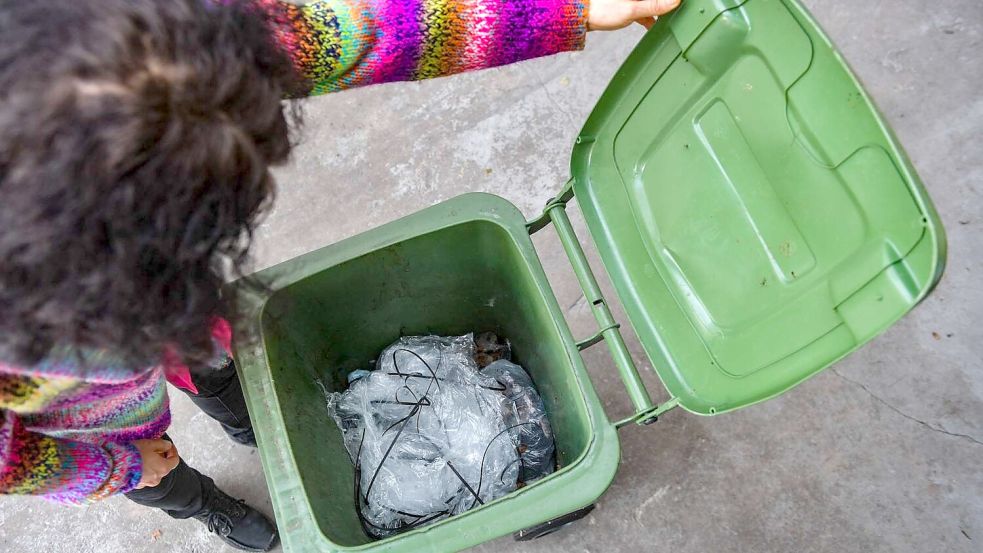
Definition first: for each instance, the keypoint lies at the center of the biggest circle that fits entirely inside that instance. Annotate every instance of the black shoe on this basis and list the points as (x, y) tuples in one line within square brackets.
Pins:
[(238, 524)]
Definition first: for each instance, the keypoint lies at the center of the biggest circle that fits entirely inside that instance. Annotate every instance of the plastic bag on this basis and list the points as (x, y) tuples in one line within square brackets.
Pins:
[(525, 414), (428, 434)]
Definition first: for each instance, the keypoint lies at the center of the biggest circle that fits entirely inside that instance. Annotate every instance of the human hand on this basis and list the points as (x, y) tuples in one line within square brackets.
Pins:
[(159, 458), (609, 15)]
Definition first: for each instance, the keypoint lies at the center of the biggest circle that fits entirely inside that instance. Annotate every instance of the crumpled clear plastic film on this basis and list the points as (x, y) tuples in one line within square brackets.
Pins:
[(525, 414), (431, 436)]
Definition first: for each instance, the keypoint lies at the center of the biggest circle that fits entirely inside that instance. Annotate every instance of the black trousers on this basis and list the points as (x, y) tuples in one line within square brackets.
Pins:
[(184, 492)]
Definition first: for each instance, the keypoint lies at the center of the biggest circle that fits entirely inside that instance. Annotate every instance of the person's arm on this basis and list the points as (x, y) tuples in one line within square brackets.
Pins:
[(61, 470), (340, 44)]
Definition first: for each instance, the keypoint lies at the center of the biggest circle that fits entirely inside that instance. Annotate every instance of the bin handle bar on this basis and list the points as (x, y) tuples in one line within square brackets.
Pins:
[(555, 212)]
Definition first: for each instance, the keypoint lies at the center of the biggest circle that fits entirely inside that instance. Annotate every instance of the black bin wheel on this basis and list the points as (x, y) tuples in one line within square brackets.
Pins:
[(551, 526)]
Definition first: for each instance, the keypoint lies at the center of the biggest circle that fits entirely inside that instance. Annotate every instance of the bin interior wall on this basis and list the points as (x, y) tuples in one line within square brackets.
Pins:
[(466, 278)]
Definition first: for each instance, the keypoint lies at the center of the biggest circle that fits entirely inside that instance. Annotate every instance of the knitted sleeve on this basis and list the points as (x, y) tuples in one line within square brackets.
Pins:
[(339, 44), (61, 470)]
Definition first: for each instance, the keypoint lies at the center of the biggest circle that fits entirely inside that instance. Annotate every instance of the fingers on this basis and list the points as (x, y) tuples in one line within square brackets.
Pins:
[(648, 9), (171, 457), (171, 452), (149, 481), (168, 451), (171, 463), (159, 458), (152, 478), (609, 15)]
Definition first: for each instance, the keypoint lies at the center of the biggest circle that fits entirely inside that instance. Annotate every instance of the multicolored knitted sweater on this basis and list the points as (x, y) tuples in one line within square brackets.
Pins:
[(65, 433)]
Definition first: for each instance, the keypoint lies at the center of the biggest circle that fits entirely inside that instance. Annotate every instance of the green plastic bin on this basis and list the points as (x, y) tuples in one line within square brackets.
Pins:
[(756, 217)]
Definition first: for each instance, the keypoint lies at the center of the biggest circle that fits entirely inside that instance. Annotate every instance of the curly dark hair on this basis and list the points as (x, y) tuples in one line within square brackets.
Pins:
[(136, 138)]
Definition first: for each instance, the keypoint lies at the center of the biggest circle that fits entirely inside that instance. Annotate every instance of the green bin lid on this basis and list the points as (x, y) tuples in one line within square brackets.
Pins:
[(753, 211)]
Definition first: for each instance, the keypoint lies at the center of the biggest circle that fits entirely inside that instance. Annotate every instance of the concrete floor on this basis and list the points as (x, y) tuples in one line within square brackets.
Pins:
[(882, 453)]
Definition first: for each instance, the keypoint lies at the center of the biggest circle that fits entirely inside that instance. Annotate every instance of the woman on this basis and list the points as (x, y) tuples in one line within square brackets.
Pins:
[(136, 138)]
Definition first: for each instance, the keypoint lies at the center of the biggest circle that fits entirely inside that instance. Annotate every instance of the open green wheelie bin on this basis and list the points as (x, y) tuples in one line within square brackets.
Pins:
[(756, 217)]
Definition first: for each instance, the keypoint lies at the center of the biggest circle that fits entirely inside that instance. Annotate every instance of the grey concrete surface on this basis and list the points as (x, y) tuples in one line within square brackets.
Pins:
[(882, 453)]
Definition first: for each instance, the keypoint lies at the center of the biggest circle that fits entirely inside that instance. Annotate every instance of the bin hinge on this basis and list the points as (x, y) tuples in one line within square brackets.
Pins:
[(560, 201), (597, 337), (646, 411), (650, 416)]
